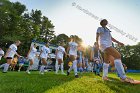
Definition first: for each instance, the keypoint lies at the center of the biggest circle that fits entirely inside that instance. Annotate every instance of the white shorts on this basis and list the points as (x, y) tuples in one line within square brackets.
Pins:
[(80, 60), (59, 57), (103, 47), (30, 57), (44, 58)]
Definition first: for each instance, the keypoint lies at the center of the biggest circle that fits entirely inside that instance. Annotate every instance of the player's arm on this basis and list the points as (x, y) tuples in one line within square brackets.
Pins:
[(114, 40), (101, 57), (97, 39), (18, 54), (56, 52), (68, 49), (40, 53), (29, 52)]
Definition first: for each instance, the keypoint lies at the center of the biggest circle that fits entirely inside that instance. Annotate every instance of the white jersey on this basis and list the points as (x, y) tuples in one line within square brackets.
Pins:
[(45, 51), (1, 53), (32, 53), (105, 40), (13, 50), (73, 48), (60, 53)]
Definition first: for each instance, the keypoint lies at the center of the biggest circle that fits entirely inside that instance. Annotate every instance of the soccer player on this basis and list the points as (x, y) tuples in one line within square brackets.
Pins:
[(32, 53), (96, 58), (10, 54), (59, 58), (1, 53), (45, 51), (72, 50), (104, 42), (80, 59)]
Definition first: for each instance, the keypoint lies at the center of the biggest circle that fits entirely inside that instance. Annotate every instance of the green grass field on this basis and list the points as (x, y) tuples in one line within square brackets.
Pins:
[(20, 82)]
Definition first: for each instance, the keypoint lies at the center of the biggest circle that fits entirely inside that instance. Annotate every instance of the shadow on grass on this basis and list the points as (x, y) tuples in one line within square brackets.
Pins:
[(120, 87), (14, 82)]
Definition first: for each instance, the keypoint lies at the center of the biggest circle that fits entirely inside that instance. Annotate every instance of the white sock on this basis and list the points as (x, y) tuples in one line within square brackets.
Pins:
[(6, 66), (42, 68), (2, 65), (120, 68), (62, 67), (75, 67), (56, 67), (105, 69), (71, 67), (29, 67)]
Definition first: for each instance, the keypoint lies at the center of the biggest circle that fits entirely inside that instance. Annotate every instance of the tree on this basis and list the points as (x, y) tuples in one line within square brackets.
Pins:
[(17, 25), (61, 38), (130, 55)]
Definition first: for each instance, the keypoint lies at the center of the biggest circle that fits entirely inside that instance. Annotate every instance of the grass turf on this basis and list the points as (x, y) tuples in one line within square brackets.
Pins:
[(20, 82)]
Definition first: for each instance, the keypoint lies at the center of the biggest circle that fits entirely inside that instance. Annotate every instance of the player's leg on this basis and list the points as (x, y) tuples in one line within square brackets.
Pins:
[(62, 68), (80, 65), (71, 59), (75, 68), (20, 66), (70, 68), (6, 66), (42, 68), (117, 61), (118, 65), (14, 65), (56, 67), (98, 68), (30, 65), (105, 66)]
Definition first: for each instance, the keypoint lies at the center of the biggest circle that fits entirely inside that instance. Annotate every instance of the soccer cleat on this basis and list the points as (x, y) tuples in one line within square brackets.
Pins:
[(68, 73), (42, 73), (99, 75), (18, 70), (106, 79), (4, 72), (76, 76), (28, 72), (63, 73), (94, 72), (131, 81)]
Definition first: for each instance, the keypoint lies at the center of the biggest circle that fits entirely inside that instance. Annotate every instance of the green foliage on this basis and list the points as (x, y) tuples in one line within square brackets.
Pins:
[(60, 38), (131, 56), (15, 24)]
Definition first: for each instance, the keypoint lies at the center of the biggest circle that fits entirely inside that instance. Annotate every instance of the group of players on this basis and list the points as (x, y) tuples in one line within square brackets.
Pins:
[(103, 43)]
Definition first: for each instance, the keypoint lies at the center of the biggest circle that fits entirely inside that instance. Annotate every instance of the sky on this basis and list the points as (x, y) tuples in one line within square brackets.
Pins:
[(69, 19)]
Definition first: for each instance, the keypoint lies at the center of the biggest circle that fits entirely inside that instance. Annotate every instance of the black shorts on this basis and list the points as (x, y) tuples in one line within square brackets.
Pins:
[(9, 58)]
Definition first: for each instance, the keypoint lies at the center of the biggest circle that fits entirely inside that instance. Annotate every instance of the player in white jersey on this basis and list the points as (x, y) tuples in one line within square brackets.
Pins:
[(104, 42), (72, 50), (45, 51), (59, 58), (10, 54), (1, 53), (32, 53)]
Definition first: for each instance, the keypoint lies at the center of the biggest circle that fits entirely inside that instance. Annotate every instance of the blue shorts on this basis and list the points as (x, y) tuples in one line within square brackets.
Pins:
[(79, 60)]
